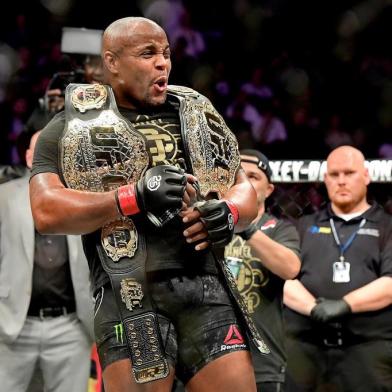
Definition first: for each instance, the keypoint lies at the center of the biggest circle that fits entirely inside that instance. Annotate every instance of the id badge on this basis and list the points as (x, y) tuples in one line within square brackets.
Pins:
[(341, 272)]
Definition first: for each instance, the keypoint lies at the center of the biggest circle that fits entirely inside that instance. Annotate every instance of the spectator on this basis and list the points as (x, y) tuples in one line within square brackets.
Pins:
[(195, 45), (339, 312), (46, 308)]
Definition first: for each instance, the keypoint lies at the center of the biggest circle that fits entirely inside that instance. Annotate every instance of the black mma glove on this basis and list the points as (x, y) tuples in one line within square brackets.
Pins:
[(248, 232), (329, 309), (160, 191), (219, 218)]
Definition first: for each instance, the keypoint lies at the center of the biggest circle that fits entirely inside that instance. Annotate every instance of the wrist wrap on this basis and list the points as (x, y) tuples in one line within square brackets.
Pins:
[(126, 200), (234, 210)]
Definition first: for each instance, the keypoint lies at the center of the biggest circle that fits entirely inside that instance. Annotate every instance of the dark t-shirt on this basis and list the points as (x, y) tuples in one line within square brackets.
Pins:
[(52, 282), (369, 256), (263, 291), (166, 247)]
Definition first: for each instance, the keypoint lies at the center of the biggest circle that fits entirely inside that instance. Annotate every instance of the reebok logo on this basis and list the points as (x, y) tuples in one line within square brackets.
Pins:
[(233, 340), (233, 336)]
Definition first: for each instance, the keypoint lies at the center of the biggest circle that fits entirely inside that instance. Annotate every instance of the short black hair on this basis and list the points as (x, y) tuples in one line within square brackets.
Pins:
[(262, 161)]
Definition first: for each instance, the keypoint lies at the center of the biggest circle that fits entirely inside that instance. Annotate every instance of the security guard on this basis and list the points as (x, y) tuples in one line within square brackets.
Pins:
[(339, 310)]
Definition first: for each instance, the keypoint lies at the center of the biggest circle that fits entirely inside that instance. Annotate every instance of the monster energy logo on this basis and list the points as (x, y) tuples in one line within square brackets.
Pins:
[(119, 333)]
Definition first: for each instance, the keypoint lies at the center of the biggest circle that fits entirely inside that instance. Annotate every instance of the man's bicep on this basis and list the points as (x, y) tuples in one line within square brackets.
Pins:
[(45, 156), (46, 152), (42, 185), (386, 256), (45, 198)]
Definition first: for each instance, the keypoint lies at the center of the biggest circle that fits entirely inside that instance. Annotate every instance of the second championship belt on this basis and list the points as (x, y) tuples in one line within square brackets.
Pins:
[(101, 151), (213, 154)]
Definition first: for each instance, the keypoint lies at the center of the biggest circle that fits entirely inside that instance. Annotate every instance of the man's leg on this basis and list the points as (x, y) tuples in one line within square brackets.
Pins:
[(17, 360), (305, 366), (113, 352), (65, 355), (118, 377), (37, 381), (230, 373), (365, 367), (212, 353)]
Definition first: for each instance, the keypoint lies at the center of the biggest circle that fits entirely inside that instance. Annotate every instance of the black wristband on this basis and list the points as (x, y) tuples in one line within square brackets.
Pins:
[(248, 232)]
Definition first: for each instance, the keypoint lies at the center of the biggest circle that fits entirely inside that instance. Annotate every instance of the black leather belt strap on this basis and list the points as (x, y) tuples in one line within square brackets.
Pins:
[(254, 334), (50, 311), (333, 339), (140, 323)]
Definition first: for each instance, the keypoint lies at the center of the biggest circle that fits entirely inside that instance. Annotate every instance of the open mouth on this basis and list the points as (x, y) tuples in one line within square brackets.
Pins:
[(160, 84)]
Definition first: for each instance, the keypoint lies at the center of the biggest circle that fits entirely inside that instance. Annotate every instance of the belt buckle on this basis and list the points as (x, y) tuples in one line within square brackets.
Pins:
[(41, 314), (43, 310)]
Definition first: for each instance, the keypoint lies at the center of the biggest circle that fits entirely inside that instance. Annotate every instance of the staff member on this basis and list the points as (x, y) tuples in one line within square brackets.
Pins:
[(261, 258), (339, 310)]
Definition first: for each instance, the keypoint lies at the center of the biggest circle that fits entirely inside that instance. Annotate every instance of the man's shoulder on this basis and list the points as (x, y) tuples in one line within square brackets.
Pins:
[(58, 118), (378, 213), (12, 187), (14, 183), (382, 219), (316, 216), (316, 219), (184, 91), (272, 225), (54, 127), (11, 172), (268, 222)]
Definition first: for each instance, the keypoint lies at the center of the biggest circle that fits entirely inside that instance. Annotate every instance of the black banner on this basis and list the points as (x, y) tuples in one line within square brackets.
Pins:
[(313, 171)]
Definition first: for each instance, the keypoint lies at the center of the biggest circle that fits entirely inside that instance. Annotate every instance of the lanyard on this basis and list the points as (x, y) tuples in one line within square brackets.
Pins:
[(344, 247)]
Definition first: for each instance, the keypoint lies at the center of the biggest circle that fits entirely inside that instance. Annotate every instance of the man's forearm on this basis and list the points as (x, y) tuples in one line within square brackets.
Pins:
[(59, 210), (373, 296), (279, 259), (297, 297)]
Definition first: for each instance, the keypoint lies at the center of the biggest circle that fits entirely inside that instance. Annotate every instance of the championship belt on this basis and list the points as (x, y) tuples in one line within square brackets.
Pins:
[(214, 158), (210, 145), (254, 333), (100, 151)]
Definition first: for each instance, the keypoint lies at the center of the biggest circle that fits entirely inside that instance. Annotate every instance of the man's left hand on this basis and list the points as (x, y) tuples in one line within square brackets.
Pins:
[(219, 221), (329, 309)]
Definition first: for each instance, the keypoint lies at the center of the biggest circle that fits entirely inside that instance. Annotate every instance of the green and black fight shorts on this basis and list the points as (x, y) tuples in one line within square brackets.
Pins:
[(196, 318)]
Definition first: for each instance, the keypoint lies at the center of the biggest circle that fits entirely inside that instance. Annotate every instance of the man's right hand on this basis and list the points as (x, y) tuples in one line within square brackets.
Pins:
[(327, 310), (162, 188)]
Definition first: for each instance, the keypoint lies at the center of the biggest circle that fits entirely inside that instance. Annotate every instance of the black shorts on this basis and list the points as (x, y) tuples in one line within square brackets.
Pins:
[(196, 318)]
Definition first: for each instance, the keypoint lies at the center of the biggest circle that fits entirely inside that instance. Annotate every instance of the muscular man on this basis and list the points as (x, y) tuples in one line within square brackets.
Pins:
[(118, 166), (46, 308), (261, 258), (339, 310)]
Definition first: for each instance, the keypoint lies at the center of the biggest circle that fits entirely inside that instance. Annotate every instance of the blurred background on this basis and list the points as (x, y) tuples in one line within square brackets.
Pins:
[(294, 79)]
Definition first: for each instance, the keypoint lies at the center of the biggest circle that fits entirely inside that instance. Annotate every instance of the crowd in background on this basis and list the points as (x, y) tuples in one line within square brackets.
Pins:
[(285, 75)]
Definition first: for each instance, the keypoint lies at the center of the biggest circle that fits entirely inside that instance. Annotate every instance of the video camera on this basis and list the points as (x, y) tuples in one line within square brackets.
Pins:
[(79, 47)]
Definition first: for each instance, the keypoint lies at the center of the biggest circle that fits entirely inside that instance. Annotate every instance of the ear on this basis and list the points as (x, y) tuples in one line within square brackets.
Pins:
[(269, 190), (110, 61), (29, 158), (367, 177)]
